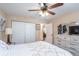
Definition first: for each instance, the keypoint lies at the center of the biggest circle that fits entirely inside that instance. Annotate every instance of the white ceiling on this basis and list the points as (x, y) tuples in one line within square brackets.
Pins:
[(21, 9)]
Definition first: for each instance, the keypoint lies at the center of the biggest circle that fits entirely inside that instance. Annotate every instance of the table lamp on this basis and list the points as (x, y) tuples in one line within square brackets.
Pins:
[(8, 33)]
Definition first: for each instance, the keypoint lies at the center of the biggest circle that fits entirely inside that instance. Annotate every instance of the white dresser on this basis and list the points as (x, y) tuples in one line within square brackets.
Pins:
[(74, 41), (62, 41), (67, 41)]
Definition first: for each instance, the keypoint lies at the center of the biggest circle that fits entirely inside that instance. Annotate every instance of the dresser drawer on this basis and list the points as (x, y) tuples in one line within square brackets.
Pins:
[(74, 46), (67, 43), (60, 43), (75, 38), (74, 43)]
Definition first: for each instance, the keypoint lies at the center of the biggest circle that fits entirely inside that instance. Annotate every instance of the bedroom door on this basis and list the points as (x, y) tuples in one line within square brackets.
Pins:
[(49, 33), (18, 32)]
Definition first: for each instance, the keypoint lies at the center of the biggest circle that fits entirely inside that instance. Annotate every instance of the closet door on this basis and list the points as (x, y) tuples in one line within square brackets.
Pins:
[(30, 32), (18, 32)]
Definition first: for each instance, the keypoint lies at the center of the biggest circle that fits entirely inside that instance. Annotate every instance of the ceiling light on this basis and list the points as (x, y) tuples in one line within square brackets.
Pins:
[(45, 13), (41, 13), (41, 5)]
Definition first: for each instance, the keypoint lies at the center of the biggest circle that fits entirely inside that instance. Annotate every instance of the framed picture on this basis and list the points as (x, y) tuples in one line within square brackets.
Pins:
[(60, 29), (2, 24)]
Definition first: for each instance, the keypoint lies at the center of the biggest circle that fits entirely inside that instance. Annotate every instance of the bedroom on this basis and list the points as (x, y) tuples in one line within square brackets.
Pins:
[(20, 26)]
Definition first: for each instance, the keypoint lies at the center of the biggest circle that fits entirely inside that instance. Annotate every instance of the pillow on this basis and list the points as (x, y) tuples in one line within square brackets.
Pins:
[(3, 44)]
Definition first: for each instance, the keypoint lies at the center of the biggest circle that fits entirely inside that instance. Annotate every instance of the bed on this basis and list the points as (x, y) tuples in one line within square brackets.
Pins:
[(39, 48)]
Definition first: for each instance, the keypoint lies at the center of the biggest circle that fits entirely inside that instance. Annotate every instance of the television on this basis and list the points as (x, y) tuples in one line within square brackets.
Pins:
[(74, 30)]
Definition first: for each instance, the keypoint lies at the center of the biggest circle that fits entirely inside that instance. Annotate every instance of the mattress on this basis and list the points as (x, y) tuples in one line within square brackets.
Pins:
[(39, 48)]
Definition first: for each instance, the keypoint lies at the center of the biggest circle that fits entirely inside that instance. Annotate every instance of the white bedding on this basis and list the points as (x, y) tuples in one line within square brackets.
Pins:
[(39, 48)]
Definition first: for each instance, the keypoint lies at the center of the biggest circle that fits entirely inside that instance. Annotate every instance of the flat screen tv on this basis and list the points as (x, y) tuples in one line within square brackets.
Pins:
[(74, 30)]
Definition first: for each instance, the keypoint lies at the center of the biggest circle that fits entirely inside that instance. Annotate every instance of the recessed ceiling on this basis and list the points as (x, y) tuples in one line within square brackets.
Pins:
[(21, 9)]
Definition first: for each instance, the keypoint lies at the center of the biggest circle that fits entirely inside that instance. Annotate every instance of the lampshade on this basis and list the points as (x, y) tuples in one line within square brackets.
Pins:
[(8, 31)]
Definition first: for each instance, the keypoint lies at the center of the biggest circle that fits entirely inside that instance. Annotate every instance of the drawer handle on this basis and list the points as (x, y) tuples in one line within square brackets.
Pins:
[(64, 38), (59, 41), (75, 40), (72, 44), (59, 44)]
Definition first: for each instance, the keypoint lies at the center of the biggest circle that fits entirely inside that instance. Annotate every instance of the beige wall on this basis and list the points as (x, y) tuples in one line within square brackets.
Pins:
[(22, 19), (2, 34), (65, 19)]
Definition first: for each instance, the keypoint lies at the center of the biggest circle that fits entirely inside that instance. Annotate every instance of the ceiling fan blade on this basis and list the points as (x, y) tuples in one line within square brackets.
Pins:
[(34, 10), (51, 12), (55, 5)]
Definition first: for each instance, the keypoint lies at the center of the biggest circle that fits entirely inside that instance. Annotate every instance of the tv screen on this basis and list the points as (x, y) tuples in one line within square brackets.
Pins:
[(74, 30)]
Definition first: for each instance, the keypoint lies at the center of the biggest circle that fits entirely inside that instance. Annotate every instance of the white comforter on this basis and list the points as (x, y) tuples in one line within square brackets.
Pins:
[(39, 48)]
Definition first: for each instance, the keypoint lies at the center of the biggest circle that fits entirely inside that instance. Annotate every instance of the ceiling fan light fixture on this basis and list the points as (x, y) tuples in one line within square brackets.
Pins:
[(44, 8), (46, 13), (43, 13), (41, 4)]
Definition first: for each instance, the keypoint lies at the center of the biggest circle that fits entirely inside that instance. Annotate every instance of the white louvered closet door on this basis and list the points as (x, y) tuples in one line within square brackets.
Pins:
[(18, 32), (30, 32), (23, 32)]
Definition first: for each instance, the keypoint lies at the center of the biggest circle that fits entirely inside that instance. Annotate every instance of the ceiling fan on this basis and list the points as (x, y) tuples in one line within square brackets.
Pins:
[(45, 9)]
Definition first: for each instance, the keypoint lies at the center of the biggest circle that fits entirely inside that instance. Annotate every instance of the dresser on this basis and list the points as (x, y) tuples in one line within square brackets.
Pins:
[(67, 41), (62, 41), (74, 41)]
